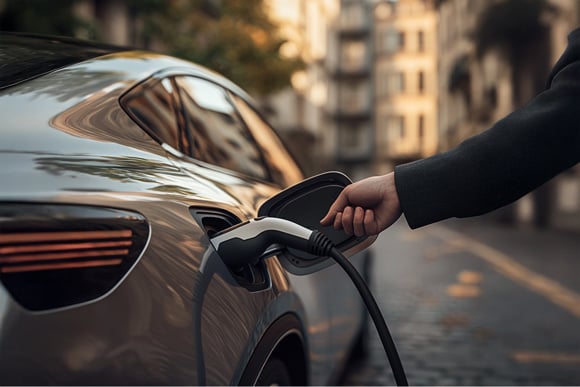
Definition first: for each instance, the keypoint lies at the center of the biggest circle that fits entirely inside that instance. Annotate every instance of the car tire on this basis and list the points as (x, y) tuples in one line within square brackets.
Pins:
[(274, 373)]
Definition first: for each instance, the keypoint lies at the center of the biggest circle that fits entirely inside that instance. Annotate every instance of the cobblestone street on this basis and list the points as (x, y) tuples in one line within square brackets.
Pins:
[(470, 303)]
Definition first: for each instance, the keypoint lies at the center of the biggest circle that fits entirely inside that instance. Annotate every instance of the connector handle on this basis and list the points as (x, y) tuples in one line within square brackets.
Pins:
[(246, 242)]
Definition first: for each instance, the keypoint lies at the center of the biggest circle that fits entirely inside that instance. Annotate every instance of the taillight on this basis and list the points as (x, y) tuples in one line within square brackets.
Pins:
[(54, 256)]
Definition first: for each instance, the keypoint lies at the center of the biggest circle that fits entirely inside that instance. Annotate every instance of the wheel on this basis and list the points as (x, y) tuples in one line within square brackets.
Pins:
[(275, 373)]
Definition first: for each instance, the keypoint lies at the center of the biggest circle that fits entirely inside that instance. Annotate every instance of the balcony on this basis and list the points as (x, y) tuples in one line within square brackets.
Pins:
[(354, 60), (354, 143), (353, 102), (354, 19)]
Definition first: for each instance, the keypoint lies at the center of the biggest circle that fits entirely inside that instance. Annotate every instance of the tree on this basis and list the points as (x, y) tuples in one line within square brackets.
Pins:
[(235, 38), (39, 16)]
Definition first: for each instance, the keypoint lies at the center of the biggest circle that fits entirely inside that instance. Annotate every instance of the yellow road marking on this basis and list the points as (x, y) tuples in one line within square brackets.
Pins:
[(463, 291), (470, 277), (446, 248), (550, 289), (546, 357)]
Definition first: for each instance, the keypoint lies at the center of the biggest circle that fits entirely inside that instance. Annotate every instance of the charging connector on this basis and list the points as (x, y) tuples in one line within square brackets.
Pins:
[(262, 237)]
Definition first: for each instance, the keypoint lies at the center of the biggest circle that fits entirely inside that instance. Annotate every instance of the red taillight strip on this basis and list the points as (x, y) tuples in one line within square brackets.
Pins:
[(67, 255), (61, 246), (62, 236), (56, 266)]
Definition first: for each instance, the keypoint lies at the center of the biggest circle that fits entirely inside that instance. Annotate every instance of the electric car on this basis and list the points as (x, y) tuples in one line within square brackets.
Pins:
[(117, 167)]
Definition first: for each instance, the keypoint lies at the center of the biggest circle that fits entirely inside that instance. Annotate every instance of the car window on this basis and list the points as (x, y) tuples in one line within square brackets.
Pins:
[(283, 168), (153, 106), (219, 136)]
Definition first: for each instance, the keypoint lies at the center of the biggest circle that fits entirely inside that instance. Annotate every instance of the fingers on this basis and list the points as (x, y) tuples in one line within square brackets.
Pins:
[(338, 206), (347, 220), (338, 221), (354, 221), (358, 221), (370, 224)]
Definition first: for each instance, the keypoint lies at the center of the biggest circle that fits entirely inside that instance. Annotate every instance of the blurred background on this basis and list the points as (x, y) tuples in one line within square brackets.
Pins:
[(363, 85), (354, 85)]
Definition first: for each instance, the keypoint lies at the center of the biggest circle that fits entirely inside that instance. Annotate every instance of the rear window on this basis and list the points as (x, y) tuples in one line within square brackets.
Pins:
[(24, 57)]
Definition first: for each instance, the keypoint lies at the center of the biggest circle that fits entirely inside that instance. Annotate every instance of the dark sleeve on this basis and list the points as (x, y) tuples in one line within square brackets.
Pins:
[(516, 155)]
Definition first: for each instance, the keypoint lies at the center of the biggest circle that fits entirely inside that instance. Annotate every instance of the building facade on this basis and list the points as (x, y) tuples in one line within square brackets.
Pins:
[(300, 113), (405, 82), (351, 92)]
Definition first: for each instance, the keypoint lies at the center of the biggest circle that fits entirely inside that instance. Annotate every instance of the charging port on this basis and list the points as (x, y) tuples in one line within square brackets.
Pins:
[(253, 277)]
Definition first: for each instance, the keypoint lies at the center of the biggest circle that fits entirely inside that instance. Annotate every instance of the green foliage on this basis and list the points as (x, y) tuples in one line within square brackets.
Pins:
[(39, 16), (235, 38)]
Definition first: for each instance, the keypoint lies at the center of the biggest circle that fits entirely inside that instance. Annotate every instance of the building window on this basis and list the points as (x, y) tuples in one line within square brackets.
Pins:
[(401, 38), (390, 83), (390, 40), (401, 80), (354, 97), (350, 138), (421, 82), (353, 56), (396, 127), (396, 83), (421, 128), (352, 16), (421, 41), (354, 140), (349, 99)]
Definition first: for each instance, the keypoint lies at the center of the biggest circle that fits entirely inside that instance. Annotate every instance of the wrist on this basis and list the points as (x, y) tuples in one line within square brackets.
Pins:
[(391, 193)]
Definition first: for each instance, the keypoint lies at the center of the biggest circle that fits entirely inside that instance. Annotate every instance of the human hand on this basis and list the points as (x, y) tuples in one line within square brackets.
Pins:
[(366, 207)]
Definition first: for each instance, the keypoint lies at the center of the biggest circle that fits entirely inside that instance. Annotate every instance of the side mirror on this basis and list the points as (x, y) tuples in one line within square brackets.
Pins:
[(306, 203)]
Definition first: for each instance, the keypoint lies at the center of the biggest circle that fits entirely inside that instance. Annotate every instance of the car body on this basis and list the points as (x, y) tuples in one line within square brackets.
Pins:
[(117, 166)]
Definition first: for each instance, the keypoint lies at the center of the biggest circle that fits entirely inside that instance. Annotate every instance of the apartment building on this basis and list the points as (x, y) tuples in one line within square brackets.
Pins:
[(350, 63), (300, 112), (405, 82)]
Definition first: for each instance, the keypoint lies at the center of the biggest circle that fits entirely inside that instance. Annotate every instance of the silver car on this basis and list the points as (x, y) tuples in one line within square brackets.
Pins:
[(116, 169)]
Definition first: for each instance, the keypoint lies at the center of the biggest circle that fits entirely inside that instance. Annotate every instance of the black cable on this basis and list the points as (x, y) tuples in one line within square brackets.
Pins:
[(258, 234), (376, 315)]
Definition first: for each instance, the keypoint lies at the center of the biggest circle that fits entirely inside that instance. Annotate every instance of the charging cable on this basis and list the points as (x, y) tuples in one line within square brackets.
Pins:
[(261, 237)]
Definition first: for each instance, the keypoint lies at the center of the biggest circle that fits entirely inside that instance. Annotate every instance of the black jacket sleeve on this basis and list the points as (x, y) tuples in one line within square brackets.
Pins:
[(517, 154)]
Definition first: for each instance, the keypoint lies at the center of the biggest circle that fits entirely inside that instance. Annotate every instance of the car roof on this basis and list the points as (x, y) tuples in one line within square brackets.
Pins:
[(26, 56)]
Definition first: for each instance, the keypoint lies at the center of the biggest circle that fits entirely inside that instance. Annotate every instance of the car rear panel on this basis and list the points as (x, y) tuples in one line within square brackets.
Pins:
[(76, 147)]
